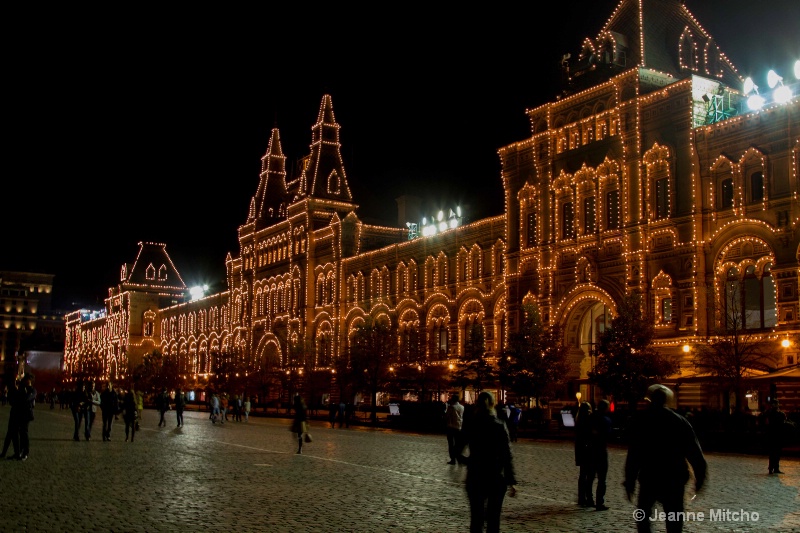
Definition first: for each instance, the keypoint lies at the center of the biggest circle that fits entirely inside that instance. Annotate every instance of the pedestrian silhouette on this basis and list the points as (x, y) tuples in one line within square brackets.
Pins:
[(662, 447), (600, 424), (300, 423), (583, 455), (775, 421), (490, 466), (454, 419)]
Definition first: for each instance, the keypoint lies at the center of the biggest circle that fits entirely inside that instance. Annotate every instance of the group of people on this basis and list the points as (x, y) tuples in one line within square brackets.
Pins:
[(662, 449), (219, 405), (340, 412), (85, 401)]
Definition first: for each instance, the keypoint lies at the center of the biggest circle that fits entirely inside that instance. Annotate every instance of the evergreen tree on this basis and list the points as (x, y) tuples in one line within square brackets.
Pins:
[(373, 350), (536, 359), (626, 361), (473, 368)]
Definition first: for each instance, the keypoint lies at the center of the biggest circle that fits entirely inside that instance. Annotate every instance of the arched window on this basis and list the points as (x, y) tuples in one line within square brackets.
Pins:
[(750, 299)]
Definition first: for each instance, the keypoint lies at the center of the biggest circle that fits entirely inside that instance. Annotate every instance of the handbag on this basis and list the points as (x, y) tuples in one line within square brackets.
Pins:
[(307, 437)]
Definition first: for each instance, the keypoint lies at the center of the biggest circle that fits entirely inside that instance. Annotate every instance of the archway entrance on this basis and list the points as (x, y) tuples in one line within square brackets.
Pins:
[(585, 322)]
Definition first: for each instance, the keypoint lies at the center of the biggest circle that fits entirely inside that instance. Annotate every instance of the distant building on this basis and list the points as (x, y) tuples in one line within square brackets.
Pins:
[(27, 322), (648, 174)]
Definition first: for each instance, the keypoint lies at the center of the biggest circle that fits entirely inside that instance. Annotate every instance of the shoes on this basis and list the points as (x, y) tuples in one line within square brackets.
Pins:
[(78, 439), (778, 472), (23, 458), (12, 457), (126, 439), (451, 462), (601, 508)]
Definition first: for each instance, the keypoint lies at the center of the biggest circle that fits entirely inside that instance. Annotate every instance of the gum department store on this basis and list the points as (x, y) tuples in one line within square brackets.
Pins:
[(648, 175)]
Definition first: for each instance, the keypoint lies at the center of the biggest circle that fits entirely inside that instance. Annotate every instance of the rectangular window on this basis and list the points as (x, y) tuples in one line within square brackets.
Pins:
[(567, 221), (531, 230), (757, 186), (726, 194), (612, 209), (662, 199), (588, 215), (666, 310)]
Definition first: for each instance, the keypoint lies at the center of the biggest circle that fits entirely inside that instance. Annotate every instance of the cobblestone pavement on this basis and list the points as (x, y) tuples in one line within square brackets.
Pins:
[(241, 477)]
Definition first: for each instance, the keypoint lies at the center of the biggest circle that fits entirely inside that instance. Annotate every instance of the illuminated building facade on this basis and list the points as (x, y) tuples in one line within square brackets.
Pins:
[(647, 175), (27, 320)]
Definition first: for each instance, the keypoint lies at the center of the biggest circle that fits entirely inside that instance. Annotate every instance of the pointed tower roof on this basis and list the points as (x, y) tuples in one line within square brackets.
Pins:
[(323, 176), (152, 269), (660, 35), (269, 202)]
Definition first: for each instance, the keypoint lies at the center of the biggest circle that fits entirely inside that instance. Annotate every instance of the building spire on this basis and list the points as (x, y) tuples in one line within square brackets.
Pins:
[(269, 202), (324, 176)]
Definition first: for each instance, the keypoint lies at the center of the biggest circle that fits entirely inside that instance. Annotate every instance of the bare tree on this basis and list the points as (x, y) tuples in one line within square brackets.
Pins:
[(734, 349)]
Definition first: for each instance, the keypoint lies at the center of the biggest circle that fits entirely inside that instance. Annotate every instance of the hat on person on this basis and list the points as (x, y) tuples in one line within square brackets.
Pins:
[(658, 394)]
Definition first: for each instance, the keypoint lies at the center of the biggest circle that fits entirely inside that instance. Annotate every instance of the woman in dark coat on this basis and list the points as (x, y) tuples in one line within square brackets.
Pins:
[(129, 414), (490, 467), (583, 455), (300, 423)]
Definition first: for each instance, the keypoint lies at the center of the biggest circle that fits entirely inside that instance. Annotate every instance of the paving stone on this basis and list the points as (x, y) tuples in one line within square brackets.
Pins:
[(246, 477)]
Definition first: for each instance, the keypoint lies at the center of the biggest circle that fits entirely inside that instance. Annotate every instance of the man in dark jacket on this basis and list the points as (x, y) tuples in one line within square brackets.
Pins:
[(662, 443), (775, 421), (109, 405), (22, 397), (600, 426), (162, 404)]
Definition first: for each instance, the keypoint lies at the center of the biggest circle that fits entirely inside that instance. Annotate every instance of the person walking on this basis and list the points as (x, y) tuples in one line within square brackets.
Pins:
[(454, 419), (53, 398), (129, 414), (180, 405), (300, 422), (78, 408), (109, 407), (223, 408), (775, 421), (333, 409), (662, 447), (139, 406), (162, 404), (490, 465), (215, 409), (247, 409), (238, 407), (583, 455), (600, 425), (22, 397), (91, 405), (513, 422)]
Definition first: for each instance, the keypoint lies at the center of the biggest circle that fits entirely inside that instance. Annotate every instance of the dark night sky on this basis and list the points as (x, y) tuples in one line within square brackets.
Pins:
[(151, 126)]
